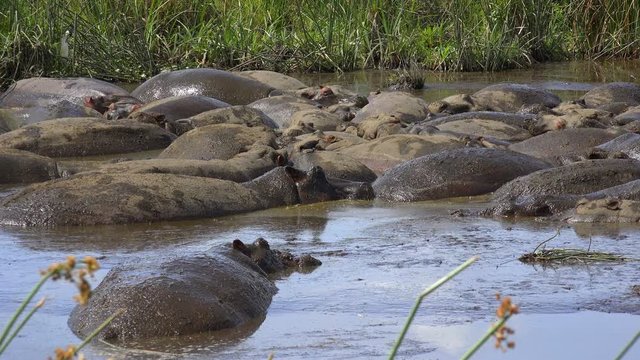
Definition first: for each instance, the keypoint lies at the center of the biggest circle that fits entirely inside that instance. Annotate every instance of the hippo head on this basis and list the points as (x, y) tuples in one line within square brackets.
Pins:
[(272, 261), (312, 185)]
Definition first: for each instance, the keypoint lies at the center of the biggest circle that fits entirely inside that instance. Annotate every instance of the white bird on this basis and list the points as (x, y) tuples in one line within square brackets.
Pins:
[(64, 45)]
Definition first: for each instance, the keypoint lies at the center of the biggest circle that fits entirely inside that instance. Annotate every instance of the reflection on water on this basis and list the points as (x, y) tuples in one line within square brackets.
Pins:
[(569, 80), (376, 258)]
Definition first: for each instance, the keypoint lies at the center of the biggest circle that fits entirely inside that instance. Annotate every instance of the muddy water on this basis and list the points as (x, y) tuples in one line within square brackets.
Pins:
[(376, 258)]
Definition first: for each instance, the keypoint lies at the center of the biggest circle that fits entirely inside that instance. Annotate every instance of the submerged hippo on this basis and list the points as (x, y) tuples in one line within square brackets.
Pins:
[(24, 167), (513, 97), (97, 199), (615, 92), (219, 84), (453, 173), (220, 289)]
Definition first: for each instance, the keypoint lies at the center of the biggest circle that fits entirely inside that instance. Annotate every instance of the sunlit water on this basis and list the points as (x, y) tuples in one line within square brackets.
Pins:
[(376, 258)]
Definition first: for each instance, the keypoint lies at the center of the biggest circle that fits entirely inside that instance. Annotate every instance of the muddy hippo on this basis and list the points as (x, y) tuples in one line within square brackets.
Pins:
[(239, 114), (317, 119), (24, 167), (616, 92), (281, 108), (86, 136), (218, 84), (94, 198), (36, 99), (608, 210), (220, 141), (512, 97), (335, 165), (485, 128), (564, 146), (241, 168), (389, 151), (627, 144), (274, 79), (455, 104), (403, 106), (454, 173), (629, 115), (180, 295), (180, 107)]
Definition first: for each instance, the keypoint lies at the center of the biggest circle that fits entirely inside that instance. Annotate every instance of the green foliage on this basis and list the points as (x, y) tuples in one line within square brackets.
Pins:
[(134, 39)]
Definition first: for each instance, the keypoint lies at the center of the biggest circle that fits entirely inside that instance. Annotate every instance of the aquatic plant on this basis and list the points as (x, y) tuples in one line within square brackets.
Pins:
[(559, 256), (69, 270)]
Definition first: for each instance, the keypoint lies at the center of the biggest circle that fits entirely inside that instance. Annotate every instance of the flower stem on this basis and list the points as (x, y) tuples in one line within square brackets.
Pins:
[(421, 297), (486, 337), (628, 346), (98, 329)]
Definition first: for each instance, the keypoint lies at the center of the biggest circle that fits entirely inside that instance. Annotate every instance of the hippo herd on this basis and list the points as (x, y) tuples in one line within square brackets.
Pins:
[(216, 143)]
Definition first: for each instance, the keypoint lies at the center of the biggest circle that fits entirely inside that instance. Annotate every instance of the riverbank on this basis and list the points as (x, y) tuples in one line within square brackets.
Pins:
[(132, 40)]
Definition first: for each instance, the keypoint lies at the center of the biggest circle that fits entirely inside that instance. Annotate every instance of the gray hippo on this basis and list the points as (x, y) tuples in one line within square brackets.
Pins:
[(86, 136), (513, 97), (102, 199), (616, 92), (24, 167), (36, 99), (218, 84), (455, 104), (502, 126), (454, 173), (627, 144), (564, 146), (180, 295), (547, 192)]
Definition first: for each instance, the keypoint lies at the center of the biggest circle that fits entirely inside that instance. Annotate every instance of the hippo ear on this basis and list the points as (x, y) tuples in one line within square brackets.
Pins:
[(262, 243), (295, 174), (240, 246)]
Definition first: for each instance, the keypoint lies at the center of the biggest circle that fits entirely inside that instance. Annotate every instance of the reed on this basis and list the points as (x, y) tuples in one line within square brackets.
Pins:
[(134, 39)]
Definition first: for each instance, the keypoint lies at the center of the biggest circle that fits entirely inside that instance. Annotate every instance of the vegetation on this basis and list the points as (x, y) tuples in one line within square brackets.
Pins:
[(133, 39)]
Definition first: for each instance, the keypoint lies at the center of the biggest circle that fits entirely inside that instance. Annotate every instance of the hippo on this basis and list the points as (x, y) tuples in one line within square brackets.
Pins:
[(274, 79), (317, 119), (455, 104), (583, 118), (454, 173), (219, 141), (105, 199), (477, 126), (335, 165), (68, 137), (403, 106), (179, 107), (222, 288), (219, 84), (512, 97), (564, 146), (607, 210), (325, 140), (241, 168), (579, 178), (22, 167), (615, 92), (629, 115), (627, 144), (281, 108), (239, 114), (389, 151), (37, 99), (330, 95)]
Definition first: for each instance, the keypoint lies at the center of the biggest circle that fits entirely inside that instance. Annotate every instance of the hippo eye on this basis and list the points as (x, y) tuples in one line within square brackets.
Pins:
[(260, 242)]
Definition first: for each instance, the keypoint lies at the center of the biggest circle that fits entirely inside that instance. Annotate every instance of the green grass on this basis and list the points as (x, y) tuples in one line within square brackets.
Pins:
[(134, 39)]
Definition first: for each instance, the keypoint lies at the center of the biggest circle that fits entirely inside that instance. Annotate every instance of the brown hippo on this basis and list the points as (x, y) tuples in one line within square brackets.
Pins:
[(318, 119), (607, 210), (24, 167), (616, 92), (455, 104), (454, 173), (219, 141), (401, 105), (564, 146), (498, 125), (512, 97), (95, 199), (629, 115), (218, 84), (86, 136), (335, 165), (179, 295)]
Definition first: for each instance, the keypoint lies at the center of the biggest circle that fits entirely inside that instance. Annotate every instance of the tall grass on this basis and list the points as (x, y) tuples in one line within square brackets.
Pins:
[(134, 39)]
